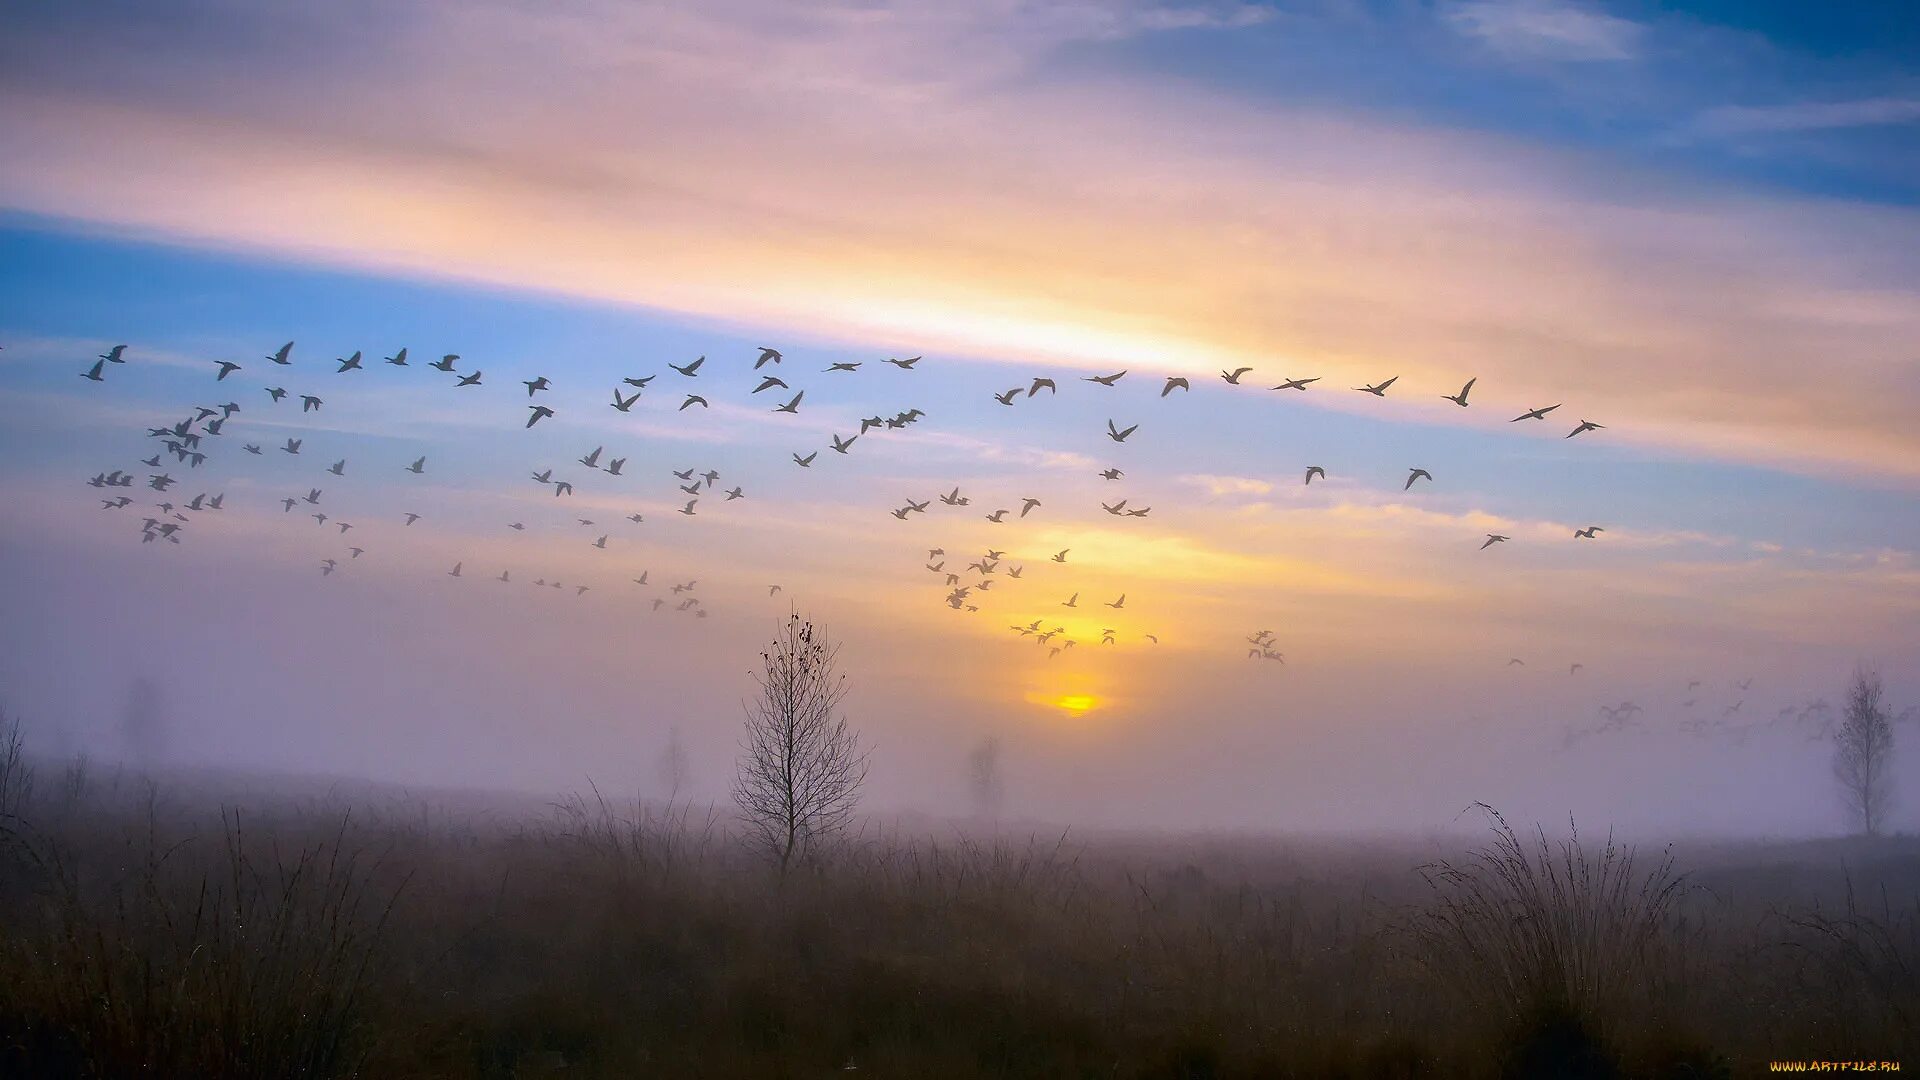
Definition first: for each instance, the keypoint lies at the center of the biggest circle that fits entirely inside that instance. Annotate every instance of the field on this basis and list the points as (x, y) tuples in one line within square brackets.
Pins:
[(208, 927)]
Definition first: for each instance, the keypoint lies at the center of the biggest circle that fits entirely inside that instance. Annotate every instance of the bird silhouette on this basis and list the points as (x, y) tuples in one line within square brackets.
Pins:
[(1007, 398), (844, 366), (276, 393), (692, 399), (805, 462), (1105, 380), (1313, 471), (690, 370), (592, 460), (93, 372), (293, 446), (1062, 555), (398, 359), (997, 516), (534, 386), (446, 362), (1118, 435), (615, 465), (338, 468), (1233, 377), (1533, 414), (281, 357), (624, 404), (1379, 390), (1175, 382), (1492, 539), (540, 412), (791, 406), (309, 403), (1297, 384), (1460, 398), (840, 445), (641, 383), (455, 572), (769, 382), (469, 380), (1585, 425), (766, 354), (1027, 504), (351, 363), (904, 365), (1417, 474), (1118, 604), (1588, 532), (227, 367), (1071, 601)]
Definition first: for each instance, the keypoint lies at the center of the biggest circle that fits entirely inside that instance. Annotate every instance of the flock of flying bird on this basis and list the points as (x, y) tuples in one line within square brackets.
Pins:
[(187, 442)]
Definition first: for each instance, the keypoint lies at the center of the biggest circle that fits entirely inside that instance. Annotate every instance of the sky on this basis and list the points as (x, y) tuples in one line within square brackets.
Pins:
[(1697, 225)]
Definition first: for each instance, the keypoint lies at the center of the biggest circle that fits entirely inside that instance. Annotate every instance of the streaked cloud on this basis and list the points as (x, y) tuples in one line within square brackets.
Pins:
[(1808, 116), (1546, 29)]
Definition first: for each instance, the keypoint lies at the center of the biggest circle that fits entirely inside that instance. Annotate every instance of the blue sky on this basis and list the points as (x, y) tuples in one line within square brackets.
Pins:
[(1695, 225)]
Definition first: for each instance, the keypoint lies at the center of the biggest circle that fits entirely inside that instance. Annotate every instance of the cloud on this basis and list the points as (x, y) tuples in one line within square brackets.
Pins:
[(1546, 29), (1228, 485), (774, 166), (1807, 116)]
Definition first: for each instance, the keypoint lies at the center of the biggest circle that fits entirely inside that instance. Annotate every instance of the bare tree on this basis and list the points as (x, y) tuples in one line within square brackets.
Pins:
[(802, 767), (673, 765), (1863, 751), (983, 775), (16, 773)]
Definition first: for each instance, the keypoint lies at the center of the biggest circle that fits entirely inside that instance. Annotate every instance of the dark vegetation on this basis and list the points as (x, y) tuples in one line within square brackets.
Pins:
[(147, 931)]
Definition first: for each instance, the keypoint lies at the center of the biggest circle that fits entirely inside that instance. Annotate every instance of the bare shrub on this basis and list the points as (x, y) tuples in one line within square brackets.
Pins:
[(16, 773)]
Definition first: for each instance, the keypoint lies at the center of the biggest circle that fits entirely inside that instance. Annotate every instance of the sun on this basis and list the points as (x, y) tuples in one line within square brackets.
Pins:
[(1076, 704)]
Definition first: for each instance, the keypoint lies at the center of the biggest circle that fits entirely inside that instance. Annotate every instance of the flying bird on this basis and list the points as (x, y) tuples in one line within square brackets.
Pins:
[(1492, 539), (904, 365), (338, 468), (1039, 383), (770, 382), (592, 461), (1007, 398), (281, 356), (1588, 532), (411, 518), (1027, 504), (535, 385), (398, 359), (688, 509), (1071, 601), (351, 363), (1585, 425), (615, 465), (997, 516), (1297, 384), (539, 412), (845, 366), (469, 380), (293, 446), (840, 446), (1460, 398), (641, 383), (1380, 390), (227, 367), (276, 393), (805, 462), (1417, 474), (1062, 556), (309, 403), (690, 370), (691, 399), (1117, 435), (455, 572), (1313, 471), (1533, 414), (1175, 382), (1233, 377), (791, 406), (766, 354), (446, 362), (624, 404), (1113, 474), (93, 373), (1104, 380), (1118, 604)]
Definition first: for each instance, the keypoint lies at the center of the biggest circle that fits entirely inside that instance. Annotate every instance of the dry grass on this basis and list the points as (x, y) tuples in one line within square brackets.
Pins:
[(619, 940)]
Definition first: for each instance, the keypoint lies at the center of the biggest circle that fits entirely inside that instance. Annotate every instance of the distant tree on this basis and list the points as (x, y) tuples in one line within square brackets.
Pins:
[(673, 765), (16, 774), (984, 776), (801, 766), (1863, 752)]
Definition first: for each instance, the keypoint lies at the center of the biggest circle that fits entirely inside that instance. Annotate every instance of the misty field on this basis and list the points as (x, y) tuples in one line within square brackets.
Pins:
[(162, 928)]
